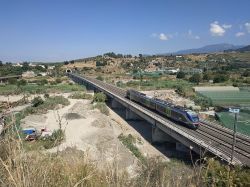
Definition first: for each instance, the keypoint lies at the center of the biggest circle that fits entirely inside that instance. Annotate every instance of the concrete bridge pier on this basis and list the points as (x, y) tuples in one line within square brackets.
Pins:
[(131, 115), (159, 136), (115, 104)]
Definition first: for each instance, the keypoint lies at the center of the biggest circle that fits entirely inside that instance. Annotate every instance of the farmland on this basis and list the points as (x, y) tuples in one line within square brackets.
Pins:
[(228, 98), (243, 121)]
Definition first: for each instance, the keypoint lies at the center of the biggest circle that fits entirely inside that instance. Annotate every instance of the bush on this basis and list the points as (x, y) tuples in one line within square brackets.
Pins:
[(54, 140), (58, 80), (46, 95), (180, 75), (220, 78), (21, 83), (12, 81), (129, 142), (100, 78), (42, 82), (102, 107), (79, 95), (99, 97), (37, 101), (196, 78)]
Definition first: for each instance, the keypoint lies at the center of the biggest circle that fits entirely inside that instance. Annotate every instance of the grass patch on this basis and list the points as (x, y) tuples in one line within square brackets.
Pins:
[(39, 89), (102, 107), (81, 95), (129, 142)]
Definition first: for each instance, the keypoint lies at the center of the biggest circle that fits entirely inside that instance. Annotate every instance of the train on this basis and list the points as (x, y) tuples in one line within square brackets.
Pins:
[(177, 113)]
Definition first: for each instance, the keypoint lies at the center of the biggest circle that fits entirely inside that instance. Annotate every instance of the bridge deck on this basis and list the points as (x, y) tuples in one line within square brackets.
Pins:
[(212, 138)]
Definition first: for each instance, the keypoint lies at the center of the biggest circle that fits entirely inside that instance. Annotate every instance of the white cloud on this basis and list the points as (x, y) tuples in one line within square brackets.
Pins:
[(239, 34), (216, 29), (162, 36), (225, 26), (247, 25), (190, 35)]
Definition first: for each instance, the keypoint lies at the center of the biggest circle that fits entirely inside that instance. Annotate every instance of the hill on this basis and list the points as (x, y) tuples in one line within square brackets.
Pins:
[(210, 49)]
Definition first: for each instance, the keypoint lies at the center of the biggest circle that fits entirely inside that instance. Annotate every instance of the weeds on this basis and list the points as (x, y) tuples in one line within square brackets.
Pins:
[(102, 107), (129, 142), (79, 95)]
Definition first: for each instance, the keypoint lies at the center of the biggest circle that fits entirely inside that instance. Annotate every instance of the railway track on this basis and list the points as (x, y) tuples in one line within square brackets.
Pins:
[(216, 136)]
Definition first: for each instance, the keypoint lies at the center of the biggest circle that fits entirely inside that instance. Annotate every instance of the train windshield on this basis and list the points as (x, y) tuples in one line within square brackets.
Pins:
[(193, 116)]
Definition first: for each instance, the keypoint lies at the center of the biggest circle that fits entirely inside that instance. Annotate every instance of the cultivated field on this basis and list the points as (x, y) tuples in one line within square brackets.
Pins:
[(243, 124), (228, 98)]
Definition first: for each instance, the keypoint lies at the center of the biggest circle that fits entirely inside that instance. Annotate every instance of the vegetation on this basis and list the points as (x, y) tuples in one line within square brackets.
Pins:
[(180, 75), (80, 95), (227, 119), (100, 78), (99, 97), (102, 107), (39, 89), (196, 78), (37, 101), (129, 142), (228, 98)]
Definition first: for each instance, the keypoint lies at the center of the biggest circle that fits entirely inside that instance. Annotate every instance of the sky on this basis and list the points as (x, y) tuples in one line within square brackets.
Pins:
[(58, 30)]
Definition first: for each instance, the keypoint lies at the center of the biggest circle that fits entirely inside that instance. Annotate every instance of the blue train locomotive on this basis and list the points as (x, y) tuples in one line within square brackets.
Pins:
[(171, 111)]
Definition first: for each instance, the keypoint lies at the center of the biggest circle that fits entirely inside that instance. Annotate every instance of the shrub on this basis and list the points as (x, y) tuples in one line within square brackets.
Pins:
[(99, 97), (180, 75), (46, 95), (37, 101), (220, 78), (21, 83), (195, 78), (79, 95), (58, 80), (42, 82), (102, 107), (100, 78), (54, 140), (12, 81), (129, 142)]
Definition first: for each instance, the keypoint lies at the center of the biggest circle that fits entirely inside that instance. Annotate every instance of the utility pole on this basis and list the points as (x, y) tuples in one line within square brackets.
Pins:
[(236, 112)]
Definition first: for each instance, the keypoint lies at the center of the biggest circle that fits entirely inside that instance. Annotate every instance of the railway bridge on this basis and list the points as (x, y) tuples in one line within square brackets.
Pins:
[(210, 137)]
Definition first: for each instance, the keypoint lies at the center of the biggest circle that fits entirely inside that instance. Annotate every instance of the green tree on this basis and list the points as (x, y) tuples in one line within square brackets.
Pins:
[(195, 78), (180, 75), (220, 78), (207, 76)]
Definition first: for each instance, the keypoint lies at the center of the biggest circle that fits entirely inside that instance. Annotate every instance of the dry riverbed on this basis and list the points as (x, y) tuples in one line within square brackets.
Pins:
[(94, 133)]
